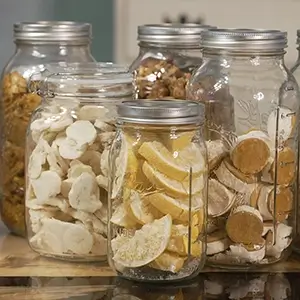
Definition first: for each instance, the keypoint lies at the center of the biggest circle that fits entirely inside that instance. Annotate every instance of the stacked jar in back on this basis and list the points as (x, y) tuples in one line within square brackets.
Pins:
[(168, 55), (67, 159), (252, 115), (36, 44), (157, 192)]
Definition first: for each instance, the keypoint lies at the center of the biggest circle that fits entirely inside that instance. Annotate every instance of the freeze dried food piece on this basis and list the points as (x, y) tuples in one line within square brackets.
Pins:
[(217, 242), (14, 83), (106, 139), (216, 152), (102, 182), (69, 149), (84, 193), (77, 168), (251, 152), (284, 203), (230, 180), (286, 124), (220, 199), (104, 126), (92, 112), (286, 167), (104, 161), (245, 225), (120, 217)]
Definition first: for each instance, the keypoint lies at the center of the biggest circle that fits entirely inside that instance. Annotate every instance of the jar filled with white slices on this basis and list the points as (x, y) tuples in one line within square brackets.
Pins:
[(252, 115), (157, 193), (67, 158)]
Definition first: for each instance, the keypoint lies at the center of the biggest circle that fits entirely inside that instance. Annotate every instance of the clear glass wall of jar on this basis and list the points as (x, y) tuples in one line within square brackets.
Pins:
[(67, 159), (37, 44), (168, 55), (157, 193), (252, 114)]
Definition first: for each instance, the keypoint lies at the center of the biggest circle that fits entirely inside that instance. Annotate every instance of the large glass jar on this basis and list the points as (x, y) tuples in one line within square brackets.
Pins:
[(168, 55), (157, 193), (67, 150), (252, 115), (36, 45)]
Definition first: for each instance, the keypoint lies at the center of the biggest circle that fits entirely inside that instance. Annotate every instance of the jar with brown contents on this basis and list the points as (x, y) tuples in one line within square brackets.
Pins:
[(168, 55), (252, 115), (36, 45)]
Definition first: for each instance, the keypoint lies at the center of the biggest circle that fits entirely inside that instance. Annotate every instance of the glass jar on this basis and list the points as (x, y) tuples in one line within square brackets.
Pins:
[(67, 159), (252, 114), (168, 55), (157, 192), (36, 45)]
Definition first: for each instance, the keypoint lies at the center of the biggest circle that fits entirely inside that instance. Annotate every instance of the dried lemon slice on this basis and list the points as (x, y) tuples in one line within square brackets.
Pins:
[(174, 165), (121, 218), (168, 262), (147, 244)]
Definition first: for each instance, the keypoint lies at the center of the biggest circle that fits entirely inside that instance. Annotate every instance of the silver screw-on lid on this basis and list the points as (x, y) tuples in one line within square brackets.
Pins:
[(172, 34), (53, 31), (161, 112), (244, 39)]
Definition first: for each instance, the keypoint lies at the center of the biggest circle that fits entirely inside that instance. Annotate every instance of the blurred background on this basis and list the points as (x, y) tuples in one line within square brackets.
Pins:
[(115, 21)]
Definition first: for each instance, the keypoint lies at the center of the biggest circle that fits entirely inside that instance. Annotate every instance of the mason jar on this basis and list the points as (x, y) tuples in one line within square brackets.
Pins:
[(37, 44), (252, 115), (67, 148), (168, 54), (157, 191)]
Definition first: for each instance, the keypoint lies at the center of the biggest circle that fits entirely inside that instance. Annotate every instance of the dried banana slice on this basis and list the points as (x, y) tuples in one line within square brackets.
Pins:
[(77, 168), (103, 126), (84, 193), (251, 152), (69, 149), (46, 186), (92, 112)]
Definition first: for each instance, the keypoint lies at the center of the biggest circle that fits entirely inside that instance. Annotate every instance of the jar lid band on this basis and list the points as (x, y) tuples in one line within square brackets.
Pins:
[(244, 39), (161, 112), (171, 33), (53, 31)]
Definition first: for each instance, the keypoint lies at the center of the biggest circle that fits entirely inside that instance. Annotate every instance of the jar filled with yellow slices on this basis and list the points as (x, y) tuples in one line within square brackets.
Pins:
[(158, 191)]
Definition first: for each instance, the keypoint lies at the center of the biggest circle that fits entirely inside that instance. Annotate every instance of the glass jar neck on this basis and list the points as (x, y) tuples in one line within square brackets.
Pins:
[(42, 50), (146, 46)]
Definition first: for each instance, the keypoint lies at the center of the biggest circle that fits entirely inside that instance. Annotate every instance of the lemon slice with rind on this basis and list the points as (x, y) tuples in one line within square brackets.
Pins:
[(178, 209), (168, 262), (171, 186), (121, 218), (174, 165), (146, 245), (139, 209)]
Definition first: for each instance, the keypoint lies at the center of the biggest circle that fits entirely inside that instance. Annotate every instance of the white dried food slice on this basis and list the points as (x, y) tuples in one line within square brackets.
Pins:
[(77, 168), (54, 201), (60, 122), (147, 244), (282, 240), (102, 214), (60, 138), (254, 255), (100, 245), (82, 132), (37, 215), (216, 151), (220, 199), (230, 180), (217, 242), (40, 125), (106, 138), (93, 159), (121, 218), (284, 203), (245, 225), (46, 186), (285, 167), (268, 226), (66, 187), (286, 124), (104, 162), (251, 152), (69, 149), (89, 220), (92, 112), (84, 193), (102, 182), (103, 126)]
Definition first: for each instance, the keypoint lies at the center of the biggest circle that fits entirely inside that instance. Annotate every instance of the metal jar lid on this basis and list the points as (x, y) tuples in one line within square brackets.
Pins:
[(244, 39), (172, 34), (53, 31), (161, 112)]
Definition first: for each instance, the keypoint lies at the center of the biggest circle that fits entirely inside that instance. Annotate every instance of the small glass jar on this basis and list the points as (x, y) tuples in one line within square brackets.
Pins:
[(168, 55), (157, 193), (252, 115), (37, 44), (67, 150)]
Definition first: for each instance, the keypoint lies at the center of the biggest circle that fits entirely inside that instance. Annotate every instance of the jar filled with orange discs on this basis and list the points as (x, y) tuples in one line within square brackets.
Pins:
[(157, 191)]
